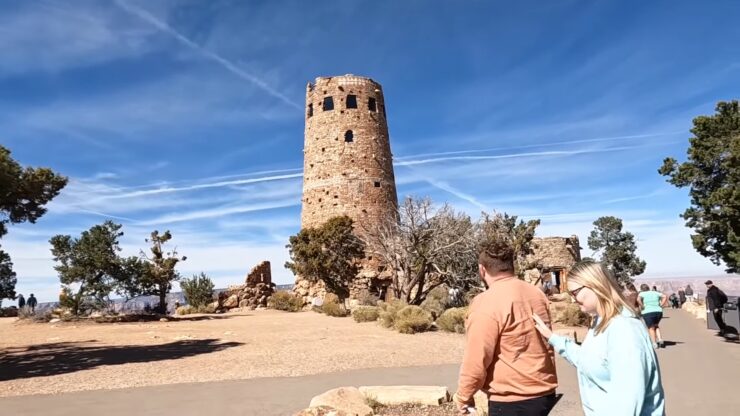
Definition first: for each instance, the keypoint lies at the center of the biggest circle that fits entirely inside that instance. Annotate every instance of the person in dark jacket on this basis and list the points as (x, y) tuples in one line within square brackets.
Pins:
[(716, 300), (32, 302), (21, 301), (681, 297)]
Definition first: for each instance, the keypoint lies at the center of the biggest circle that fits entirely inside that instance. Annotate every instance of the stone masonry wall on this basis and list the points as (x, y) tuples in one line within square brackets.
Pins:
[(348, 165)]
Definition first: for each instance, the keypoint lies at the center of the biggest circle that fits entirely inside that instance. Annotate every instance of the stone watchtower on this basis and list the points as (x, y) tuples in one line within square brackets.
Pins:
[(347, 161)]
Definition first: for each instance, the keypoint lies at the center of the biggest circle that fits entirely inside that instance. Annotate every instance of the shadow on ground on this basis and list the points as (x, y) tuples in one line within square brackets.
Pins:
[(69, 357)]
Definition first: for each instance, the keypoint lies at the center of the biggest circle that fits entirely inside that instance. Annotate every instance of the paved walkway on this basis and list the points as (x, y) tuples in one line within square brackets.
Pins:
[(699, 374)]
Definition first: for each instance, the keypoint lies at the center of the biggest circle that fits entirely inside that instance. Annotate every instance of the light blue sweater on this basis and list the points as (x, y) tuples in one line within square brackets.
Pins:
[(618, 373)]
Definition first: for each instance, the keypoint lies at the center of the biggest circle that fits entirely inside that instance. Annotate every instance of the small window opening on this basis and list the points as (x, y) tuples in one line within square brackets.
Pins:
[(328, 104), (323, 149), (377, 184), (310, 110), (351, 101), (371, 104), (349, 136)]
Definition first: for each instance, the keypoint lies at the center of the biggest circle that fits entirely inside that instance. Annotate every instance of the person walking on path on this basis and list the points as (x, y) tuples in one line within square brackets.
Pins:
[(690, 293), (21, 302), (618, 371), (651, 304), (681, 297), (504, 356), (32, 302), (716, 300)]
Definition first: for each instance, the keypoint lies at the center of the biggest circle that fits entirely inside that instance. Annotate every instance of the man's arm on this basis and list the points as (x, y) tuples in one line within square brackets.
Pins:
[(482, 338)]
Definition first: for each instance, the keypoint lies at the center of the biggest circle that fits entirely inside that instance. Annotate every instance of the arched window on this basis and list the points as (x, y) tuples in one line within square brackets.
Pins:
[(349, 136), (310, 109), (351, 101), (328, 104)]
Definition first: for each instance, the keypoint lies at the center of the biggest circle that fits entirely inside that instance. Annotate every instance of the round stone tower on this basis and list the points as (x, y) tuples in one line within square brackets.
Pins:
[(347, 162)]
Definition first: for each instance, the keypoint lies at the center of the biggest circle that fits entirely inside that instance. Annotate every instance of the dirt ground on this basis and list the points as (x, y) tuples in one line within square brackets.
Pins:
[(64, 357)]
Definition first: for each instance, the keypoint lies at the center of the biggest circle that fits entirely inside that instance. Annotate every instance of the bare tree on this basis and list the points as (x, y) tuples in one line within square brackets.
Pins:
[(503, 229), (424, 248)]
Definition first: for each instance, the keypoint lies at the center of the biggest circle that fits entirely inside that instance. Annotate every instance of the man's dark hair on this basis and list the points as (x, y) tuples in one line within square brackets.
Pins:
[(497, 257)]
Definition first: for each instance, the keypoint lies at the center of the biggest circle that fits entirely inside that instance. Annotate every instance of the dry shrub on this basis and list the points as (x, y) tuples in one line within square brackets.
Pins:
[(572, 315), (331, 298), (436, 302), (412, 319), (365, 298), (366, 314), (334, 309), (453, 320), (190, 309), (285, 301), (389, 310)]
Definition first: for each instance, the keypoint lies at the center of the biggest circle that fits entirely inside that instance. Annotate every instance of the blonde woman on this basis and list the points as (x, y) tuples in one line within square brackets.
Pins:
[(618, 371)]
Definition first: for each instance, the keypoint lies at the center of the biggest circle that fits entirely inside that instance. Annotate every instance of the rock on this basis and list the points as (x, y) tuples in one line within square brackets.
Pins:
[(244, 303), (231, 302), (427, 395), (322, 411), (347, 399), (163, 320), (55, 320)]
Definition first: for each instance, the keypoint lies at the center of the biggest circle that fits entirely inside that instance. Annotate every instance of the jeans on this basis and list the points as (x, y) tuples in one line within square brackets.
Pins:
[(539, 406)]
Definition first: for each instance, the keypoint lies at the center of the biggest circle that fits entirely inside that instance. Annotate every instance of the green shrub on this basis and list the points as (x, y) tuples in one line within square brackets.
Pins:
[(453, 320), (412, 319), (334, 309), (184, 310), (388, 311), (198, 290), (366, 314), (285, 301)]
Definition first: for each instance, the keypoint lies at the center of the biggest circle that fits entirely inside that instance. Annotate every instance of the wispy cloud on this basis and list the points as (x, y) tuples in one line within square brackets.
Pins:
[(227, 64), (219, 212)]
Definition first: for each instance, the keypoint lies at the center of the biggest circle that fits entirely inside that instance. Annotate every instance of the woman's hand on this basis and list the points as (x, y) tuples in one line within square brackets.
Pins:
[(541, 327)]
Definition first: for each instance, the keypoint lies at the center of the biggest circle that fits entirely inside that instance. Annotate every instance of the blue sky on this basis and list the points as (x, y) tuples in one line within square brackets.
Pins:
[(188, 115)]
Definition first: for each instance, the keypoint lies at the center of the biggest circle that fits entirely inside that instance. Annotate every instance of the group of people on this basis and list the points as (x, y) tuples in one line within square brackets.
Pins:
[(510, 344), (30, 303)]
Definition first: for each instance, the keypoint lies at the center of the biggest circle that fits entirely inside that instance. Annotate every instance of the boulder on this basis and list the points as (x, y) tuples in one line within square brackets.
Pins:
[(390, 395), (347, 399), (231, 302)]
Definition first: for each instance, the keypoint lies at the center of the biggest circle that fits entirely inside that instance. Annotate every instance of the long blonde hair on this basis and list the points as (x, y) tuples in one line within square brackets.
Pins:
[(611, 300)]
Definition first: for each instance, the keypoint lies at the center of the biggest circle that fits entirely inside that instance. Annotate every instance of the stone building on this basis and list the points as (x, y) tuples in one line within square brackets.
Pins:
[(555, 256), (347, 162)]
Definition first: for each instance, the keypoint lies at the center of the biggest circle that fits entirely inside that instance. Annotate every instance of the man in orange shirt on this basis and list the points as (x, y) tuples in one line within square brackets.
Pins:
[(504, 355)]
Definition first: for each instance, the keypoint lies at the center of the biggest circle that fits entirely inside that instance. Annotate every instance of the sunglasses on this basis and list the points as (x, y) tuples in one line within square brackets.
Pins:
[(574, 293)]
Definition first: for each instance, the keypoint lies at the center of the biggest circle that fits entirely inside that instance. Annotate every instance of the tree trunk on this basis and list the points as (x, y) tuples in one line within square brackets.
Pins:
[(162, 305)]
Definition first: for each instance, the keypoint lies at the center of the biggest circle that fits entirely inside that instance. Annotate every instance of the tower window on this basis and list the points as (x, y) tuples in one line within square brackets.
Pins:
[(371, 104), (310, 109), (349, 136), (328, 104), (351, 101), (377, 184)]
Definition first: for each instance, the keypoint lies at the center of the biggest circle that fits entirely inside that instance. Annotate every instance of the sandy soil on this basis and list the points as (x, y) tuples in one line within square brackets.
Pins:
[(62, 357)]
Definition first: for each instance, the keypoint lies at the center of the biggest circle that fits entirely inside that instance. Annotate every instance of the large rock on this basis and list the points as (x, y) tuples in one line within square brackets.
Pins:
[(390, 395), (231, 302), (347, 399)]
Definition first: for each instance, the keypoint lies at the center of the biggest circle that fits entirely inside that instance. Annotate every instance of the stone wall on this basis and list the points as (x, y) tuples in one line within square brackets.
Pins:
[(255, 291), (348, 165), (554, 255)]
